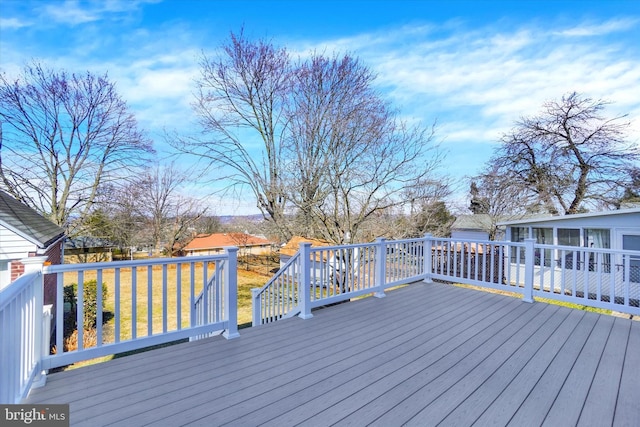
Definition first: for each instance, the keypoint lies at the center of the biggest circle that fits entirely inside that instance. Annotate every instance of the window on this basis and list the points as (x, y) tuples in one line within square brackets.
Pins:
[(4, 274), (568, 236), (632, 242), (598, 239), (518, 234), (543, 236)]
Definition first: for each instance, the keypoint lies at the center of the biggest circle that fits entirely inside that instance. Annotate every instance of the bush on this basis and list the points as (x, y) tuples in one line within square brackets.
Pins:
[(70, 343), (90, 297)]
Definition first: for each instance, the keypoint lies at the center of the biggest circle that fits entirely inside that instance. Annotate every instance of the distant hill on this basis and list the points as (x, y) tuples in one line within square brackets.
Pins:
[(228, 219)]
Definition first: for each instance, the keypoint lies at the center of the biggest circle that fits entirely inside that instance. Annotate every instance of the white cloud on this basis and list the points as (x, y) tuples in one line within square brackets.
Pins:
[(70, 12), (599, 29), (73, 12), (13, 23), (504, 74)]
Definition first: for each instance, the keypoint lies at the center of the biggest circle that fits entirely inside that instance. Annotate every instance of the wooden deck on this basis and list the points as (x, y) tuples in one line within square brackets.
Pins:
[(427, 354)]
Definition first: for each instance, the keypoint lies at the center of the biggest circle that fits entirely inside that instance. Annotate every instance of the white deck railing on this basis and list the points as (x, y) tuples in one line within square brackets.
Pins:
[(603, 278), (149, 302), (209, 305), (158, 301), (22, 338), (336, 273)]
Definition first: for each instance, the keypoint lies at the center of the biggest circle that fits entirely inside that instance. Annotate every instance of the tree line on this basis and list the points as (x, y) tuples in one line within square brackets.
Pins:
[(319, 149)]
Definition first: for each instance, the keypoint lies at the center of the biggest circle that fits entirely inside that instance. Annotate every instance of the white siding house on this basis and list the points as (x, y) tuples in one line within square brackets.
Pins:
[(599, 239), (25, 233), (610, 229)]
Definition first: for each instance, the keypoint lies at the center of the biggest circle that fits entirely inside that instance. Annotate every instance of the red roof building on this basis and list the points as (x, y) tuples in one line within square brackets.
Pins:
[(211, 244)]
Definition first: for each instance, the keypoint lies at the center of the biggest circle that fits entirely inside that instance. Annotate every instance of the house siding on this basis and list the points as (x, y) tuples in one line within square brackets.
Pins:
[(618, 223), (13, 246), (245, 250)]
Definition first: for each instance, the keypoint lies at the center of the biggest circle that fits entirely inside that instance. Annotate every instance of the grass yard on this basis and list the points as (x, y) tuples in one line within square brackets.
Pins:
[(545, 300)]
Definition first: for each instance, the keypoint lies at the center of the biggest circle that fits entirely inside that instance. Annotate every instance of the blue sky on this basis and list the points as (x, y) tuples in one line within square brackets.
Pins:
[(474, 66)]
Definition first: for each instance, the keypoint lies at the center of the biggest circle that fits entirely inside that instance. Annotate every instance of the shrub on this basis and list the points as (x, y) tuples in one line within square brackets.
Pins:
[(90, 296), (70, 343)]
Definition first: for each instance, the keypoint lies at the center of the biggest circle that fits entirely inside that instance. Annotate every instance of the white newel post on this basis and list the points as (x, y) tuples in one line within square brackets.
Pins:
[(381, 266), (304, 284), (41, 344), (529, 258), (231, 293), (256, 307), (427, 247)]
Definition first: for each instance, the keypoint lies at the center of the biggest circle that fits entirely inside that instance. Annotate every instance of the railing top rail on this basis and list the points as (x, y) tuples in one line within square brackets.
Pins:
[(61, 268), (338, 247), (587, 249), (454, 241), (409, 240), (9, 293)]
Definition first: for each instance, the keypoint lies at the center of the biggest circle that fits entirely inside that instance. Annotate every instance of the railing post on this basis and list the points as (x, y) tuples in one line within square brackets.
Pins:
[(427, 248), (40, 346), (529, 258), (256, 317), (304, 282), (231, 293), (381, 266)]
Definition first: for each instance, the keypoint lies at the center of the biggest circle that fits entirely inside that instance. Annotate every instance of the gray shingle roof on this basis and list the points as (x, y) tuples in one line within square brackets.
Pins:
[(27, 223)]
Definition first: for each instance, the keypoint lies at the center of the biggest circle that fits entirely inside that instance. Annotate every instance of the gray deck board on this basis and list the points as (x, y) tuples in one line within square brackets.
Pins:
[(569, 403), (452, 346), (506, 388), (425, 354), (527, 400), (600, 405), (627, 408)]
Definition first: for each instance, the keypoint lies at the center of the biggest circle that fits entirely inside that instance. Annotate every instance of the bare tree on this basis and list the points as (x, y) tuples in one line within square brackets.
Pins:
[(167, 213), (350, 155), (428, 212), (496, 199), (185, 213), (240, 101), (331, 152), (65, 136), (157, 187), (570, 156)]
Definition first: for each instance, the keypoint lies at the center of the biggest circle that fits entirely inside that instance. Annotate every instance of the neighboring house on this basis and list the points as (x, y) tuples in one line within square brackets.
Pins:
[(616, 230), (293, 245), (87, 249), (609, 229), (477, 226), (473, 227), (25, 233), (211, 244)]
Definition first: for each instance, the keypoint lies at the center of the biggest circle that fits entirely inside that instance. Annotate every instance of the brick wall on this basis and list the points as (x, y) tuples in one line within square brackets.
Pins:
[(54, 256), (17, 270)]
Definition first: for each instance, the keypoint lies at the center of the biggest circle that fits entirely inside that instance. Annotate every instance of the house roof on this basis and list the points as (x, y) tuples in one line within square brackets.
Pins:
[(219, 240), (574, 216), (27, 223), (293, 245), (485, 221), (88, 242), (472, 222)]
